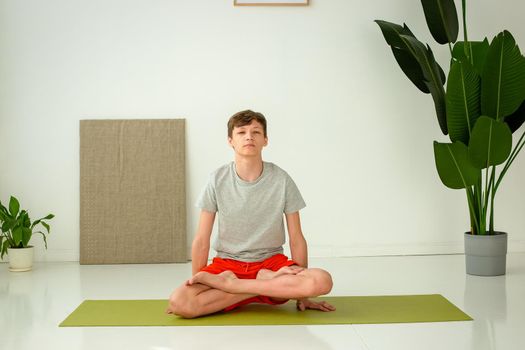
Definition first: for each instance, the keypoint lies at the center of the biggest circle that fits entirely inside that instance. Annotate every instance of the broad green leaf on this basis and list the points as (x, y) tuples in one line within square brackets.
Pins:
[(21, 219), (4, 249), (442, 74), (431, 73), (17, 235), (24, 218), (392, 31), (438, 95), (2, 208), (410, 66), (463, 98), (6, 226), (14, 206), (405, 59), (26, 236), (503, 78), (453, 166), (479, 53), (442, 20), (516, 119), (48, 217), (46, 226), (490, 144)]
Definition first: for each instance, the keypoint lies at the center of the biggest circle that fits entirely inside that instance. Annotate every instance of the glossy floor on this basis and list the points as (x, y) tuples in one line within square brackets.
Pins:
[(32, 304)]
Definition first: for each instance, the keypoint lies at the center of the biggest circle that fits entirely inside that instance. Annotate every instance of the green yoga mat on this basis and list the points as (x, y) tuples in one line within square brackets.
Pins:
[(350, 310)]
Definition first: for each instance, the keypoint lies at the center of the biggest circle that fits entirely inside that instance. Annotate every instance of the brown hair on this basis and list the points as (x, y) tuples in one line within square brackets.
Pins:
[(243, 118)]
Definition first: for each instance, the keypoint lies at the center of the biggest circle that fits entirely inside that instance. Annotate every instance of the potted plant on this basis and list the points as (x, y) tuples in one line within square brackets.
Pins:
[(480, 109), (16, 232)]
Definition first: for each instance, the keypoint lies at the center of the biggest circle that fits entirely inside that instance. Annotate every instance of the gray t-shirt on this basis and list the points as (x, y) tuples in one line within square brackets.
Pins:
[(250, 214)]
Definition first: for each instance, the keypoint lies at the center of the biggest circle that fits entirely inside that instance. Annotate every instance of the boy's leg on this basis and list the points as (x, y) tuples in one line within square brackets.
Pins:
[(305, 284), (191, 301), (199, 299)]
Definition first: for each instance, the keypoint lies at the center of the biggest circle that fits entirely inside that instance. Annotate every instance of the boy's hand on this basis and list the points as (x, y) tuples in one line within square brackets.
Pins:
[(303, 304)]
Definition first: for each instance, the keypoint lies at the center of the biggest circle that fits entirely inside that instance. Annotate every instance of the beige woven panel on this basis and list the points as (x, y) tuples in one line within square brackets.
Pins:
[(132, 191)]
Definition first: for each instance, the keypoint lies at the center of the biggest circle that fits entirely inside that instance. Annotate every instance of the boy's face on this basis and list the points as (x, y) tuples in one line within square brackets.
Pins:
[(248, 140)]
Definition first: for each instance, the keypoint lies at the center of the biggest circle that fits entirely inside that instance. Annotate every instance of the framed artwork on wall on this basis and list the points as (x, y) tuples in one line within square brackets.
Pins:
[(270, 2)]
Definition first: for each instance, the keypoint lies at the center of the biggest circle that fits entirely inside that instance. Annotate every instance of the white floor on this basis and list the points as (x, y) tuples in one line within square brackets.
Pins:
[(32, 304)]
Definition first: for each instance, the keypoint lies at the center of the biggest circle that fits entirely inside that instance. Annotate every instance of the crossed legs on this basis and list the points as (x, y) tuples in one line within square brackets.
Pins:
[(206, 293), (199, 299)]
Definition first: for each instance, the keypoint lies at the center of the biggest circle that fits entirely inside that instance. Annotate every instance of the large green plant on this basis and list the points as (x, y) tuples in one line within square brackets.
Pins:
[(17, 228), (480, 109)]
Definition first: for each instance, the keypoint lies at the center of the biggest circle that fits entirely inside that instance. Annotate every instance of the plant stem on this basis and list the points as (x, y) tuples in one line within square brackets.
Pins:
[(470, 198), (486, 199), (478, 204), (484, 206), (466, 45), (493, 194)]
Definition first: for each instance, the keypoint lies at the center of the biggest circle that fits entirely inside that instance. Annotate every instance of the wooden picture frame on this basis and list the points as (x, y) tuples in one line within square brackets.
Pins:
[(271, 2)]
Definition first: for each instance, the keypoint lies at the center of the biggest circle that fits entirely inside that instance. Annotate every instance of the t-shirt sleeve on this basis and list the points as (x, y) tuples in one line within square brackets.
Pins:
[(293, 199), (207, 199)]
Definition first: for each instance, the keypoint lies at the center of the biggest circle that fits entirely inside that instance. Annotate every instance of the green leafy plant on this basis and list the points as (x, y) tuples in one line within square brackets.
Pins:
[(17, 228), (480, 109)]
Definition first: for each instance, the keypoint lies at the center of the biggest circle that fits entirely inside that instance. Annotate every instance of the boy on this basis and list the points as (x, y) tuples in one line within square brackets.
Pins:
[(250, 197)]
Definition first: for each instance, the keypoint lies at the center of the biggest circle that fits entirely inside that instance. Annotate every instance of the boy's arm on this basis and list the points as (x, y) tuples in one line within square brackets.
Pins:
[(298, 246), (299, 251), (201, 243)]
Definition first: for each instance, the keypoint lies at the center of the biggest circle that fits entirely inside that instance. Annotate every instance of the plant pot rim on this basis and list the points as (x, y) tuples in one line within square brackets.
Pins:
[(29, 246), (496, 233)]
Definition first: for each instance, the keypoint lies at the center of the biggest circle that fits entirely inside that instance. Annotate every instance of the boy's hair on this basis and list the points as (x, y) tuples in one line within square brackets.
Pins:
[(243, 118)]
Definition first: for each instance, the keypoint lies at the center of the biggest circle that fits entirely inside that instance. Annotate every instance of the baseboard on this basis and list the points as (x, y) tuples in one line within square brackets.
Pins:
[(57, 255), (439, 248), (325, 251)]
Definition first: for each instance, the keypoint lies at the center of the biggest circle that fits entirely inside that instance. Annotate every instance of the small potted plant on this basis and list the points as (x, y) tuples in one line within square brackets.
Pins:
[(16, 232), (480, 109)]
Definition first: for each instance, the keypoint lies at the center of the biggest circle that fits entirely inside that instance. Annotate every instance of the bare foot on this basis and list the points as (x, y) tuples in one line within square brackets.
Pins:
[(221, 281), (265, 274)]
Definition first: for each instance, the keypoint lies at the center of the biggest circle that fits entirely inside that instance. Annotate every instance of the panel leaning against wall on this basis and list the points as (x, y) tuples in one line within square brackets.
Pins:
[(132, 191)]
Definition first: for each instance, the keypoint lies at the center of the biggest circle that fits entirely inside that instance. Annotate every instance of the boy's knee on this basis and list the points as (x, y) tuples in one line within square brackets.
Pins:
[(182, 305), (323, 282), (327, 282)]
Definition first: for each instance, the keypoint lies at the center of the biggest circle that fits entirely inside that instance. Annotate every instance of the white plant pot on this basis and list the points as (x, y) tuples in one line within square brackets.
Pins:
[(20, 259)]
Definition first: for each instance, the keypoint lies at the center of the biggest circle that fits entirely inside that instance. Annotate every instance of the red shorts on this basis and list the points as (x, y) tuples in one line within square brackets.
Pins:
[(249, 270)]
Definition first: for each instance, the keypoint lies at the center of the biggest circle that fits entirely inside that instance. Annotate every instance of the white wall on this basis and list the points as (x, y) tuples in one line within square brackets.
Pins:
[(343, 120)]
